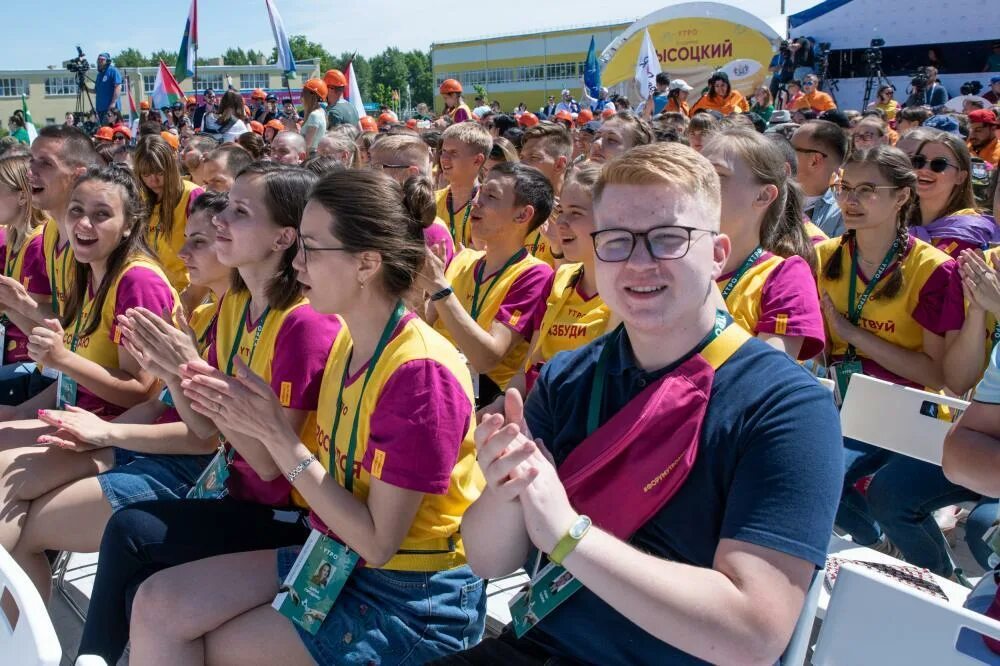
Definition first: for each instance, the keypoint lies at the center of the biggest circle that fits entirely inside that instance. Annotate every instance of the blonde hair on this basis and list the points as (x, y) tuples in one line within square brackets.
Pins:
[(471, 134), (409, 145), (671, 164), (14, 174)]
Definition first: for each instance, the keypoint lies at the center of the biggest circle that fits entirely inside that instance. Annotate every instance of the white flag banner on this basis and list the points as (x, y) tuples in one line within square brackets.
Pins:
[(646, 67)]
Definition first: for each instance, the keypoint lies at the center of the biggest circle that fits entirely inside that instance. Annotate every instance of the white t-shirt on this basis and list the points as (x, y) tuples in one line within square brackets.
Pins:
[(234, 132), (316, 119)]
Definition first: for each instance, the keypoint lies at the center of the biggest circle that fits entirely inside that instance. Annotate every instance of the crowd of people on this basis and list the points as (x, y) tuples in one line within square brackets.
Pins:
[(405, 357)]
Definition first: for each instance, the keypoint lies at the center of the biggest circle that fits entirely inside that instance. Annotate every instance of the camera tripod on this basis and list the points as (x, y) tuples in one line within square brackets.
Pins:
[(832, 85), (874, 81), (81, 91)]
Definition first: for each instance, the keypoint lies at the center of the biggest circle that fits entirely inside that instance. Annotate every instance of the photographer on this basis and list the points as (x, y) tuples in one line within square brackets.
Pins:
[(108, 86), (925, 90), (782, 69), (993, 94)]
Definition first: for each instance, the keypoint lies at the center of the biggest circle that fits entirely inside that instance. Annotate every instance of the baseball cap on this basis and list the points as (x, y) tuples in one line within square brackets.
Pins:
[(995, 79), (104, 134), (209, 91), (591, 127), (943, 123), (983, 117), (680, 84), (271, 98), (335, 78), (177, 106)]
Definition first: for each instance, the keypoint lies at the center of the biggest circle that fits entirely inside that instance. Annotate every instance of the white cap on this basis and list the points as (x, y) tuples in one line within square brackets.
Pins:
[(566, 91), (680, 84)]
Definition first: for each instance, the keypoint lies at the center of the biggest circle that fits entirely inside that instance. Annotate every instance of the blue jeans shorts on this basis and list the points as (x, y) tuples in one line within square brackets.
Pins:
[(397, 617), (139, 478)]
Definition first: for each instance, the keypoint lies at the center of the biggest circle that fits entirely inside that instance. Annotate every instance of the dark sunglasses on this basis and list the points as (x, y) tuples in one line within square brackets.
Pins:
[(937, 165)]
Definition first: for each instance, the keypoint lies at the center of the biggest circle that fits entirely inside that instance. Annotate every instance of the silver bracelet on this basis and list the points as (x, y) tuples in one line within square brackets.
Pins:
[(298, 469)]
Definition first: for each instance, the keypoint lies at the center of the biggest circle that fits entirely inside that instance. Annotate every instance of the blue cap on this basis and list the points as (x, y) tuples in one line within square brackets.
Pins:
[(943, 123), (995, 79), (105, 55)]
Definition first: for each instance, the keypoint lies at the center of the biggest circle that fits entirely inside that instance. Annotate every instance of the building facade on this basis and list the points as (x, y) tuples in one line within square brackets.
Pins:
[(521, 68), (51, 93)]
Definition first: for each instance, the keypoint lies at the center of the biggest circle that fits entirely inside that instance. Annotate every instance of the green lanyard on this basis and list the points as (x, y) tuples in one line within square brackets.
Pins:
[(352, 446), (854, 309), (534, 245), (239, 338), (52, 274), (477, 303), (722, 321), (733, 281), (76, 329), (465, 219)]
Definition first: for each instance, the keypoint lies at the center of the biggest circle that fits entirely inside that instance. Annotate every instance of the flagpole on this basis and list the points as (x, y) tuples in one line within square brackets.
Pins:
[(194, 83)]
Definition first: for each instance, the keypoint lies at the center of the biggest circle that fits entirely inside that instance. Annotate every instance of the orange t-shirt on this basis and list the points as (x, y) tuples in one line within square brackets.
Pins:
[(735, 102), (817, 100)]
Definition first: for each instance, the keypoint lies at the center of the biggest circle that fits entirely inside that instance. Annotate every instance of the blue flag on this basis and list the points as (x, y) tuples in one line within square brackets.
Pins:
[(592, 70)]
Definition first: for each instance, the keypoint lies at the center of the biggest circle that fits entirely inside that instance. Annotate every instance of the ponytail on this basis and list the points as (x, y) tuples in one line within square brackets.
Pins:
[(419, 200)]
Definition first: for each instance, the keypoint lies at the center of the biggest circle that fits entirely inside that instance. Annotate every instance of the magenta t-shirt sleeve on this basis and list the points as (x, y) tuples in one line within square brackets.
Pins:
[(195, 193), (419, 424), (34, 275), (523, 305), (438, 234), (941, 304), (141, 287), (460, 115), (789, 305), (301, 350)]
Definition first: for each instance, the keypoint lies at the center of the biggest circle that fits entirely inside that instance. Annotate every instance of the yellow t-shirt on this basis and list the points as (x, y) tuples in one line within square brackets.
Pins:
[(571, 319), (201, 322), (493, 302), (60, 264), (816, 235), (166, 246), (457, 221), (930, 299), (415, 430), (538, 245)]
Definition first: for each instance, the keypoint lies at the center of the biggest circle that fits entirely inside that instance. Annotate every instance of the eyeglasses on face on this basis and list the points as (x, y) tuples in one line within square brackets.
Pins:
[(379, 166), (937, 165), (862, 192), (665, 243), (867, 136), (304, 250), (807, 151)]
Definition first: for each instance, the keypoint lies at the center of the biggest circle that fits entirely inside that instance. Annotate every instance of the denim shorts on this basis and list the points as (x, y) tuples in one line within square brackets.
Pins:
[(139, 478), (396, 617)]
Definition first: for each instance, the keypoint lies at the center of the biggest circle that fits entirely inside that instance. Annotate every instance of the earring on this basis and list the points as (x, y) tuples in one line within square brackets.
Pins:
[(362, 283)]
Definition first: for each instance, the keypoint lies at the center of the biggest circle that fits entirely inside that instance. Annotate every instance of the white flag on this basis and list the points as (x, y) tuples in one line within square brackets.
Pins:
[(354, 92), (646, 67)]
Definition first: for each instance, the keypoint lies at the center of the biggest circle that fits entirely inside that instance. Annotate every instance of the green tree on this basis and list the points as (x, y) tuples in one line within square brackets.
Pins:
[(166, 55), (421, 76), (130, 58), (382, 94), (389, 69), (362, 70), (235, 56), (254, 57), (303, 49)]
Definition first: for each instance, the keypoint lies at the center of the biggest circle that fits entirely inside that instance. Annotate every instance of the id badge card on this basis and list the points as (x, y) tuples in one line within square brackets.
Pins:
[(3, 335), (211, 484), (65, 391), (549, 588), (315, 581), (842, 376), (165, 397)]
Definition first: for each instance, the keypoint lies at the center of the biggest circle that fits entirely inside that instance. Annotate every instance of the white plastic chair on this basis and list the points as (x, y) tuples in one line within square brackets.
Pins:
[(798, 646), (28, 638), (889, 416), (875, 620)]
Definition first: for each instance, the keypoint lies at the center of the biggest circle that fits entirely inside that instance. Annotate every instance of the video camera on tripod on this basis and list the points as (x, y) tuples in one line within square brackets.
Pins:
[(873, 54), (78, 65)]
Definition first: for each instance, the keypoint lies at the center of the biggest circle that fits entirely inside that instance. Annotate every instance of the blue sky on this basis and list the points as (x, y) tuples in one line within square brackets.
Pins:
[(340, 25)]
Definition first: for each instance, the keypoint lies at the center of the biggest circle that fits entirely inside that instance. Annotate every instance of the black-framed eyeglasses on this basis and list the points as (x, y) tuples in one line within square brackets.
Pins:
[(862, 192), (377, 165), (937, 165), (304, 250), (667, 242), (807, 151)]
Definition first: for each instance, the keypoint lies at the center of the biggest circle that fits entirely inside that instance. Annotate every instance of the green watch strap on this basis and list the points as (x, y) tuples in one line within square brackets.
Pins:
[(570, 540)]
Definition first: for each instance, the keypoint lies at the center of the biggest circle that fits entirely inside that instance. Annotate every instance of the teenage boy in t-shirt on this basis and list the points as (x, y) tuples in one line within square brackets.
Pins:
[(548, 147), (489, 303), (464, 147), (681, 552)]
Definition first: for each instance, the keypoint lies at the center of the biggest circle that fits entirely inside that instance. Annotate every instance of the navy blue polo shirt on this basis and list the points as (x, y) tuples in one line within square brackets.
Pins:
[(769, 471), (104, 88)]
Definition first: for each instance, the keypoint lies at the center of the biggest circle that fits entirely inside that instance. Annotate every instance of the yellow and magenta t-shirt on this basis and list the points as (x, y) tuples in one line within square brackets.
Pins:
[(572, 318), (415, 430), (166, 246), (60, 265), (931, 299), (27, 266), (514, 297), (816, 235), (438, 234), (141, 283), (540, 248), (778, 296), (290, 354), (457, 221)]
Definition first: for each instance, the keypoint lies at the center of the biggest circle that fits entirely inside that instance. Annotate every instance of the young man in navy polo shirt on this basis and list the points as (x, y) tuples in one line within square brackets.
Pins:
[(719, 571)]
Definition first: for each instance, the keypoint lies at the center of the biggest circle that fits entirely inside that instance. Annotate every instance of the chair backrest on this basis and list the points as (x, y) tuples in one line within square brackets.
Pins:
[(872, 619), (798, 646), (893, 417), (27, 636)]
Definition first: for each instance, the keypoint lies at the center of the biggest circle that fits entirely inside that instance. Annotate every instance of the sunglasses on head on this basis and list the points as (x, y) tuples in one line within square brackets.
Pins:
[(937, 165)]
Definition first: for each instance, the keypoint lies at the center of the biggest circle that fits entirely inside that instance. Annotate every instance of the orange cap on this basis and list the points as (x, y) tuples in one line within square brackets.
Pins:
[(527, 119), (412, 123), (104, 134), (607, 112), (316, 86), (255, 126), (121, 129), (334, 78), (144, 105), (585, 116), (385, 119), (274, 124), (450, 86), (258, 93), (368, 124), (172, 139), (191, 100), (565, 115)]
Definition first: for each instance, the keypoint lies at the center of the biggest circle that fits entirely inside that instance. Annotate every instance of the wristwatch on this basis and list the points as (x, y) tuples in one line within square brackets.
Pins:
[(576, 532)]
